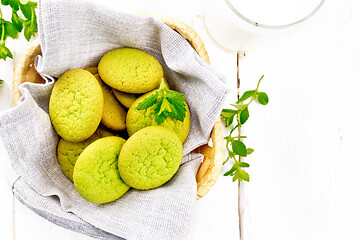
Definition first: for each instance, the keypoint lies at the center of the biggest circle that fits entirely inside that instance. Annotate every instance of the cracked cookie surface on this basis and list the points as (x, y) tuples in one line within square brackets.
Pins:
[(130, 70), (76, 105), (68, 152), (150, 157), (96, 175)]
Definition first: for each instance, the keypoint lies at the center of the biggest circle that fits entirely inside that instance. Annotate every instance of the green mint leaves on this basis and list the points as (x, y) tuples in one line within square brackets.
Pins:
[(168, 103), (262, 98), (5, 52), (237, 173), (17, 24), (238, 148), (148, 102)]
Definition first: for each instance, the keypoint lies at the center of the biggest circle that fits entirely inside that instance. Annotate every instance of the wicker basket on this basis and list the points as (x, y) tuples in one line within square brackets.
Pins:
[(209, 169)]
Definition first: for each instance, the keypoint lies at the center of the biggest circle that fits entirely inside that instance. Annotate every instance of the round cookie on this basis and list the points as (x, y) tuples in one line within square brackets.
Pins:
[(76, 105), (96, 175), (138, 119), (150, 157), (130, 70), (93, 70), (114, 114), (101, 132), (68, 152), (125, 99)]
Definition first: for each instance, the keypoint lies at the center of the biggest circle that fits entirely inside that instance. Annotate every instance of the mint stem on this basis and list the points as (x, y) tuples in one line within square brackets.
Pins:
[(2, 32), (236, 171), (257, 87)]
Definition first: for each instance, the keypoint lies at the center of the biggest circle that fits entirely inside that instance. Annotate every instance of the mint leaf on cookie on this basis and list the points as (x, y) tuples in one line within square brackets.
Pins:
[(168, 103), (148, 102)]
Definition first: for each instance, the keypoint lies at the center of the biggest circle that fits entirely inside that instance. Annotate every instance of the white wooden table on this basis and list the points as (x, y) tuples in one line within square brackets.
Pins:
[(304, 171)]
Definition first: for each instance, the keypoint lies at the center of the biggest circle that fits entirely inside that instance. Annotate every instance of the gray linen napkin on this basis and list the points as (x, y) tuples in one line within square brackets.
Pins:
[(75, 34)]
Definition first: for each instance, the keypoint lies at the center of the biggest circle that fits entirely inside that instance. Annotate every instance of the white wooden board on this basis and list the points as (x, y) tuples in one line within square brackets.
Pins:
[(304, 171)]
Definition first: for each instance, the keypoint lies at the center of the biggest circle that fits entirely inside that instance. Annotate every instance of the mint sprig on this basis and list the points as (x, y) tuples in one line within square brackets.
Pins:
[(168, 103), (17, 23), (235, 147)]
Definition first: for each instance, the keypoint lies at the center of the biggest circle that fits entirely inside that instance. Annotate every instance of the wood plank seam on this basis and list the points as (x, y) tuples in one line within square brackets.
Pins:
[(239, 55), (238, 96)]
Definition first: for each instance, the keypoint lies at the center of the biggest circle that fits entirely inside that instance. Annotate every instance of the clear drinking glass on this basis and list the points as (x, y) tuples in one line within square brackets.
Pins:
[(238, 25)]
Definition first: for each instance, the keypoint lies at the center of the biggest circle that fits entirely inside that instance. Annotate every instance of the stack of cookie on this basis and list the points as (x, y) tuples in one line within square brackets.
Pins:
[(88, 109)]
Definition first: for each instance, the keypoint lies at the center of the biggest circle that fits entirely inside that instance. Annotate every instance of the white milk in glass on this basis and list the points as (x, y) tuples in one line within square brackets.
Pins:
[(238, 25)]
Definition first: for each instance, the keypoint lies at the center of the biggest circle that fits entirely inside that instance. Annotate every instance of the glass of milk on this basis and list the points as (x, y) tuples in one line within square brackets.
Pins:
[(238, 25)]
